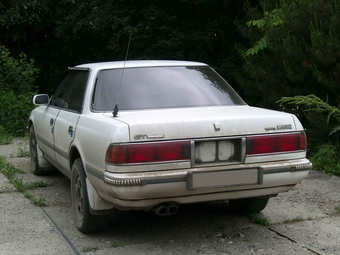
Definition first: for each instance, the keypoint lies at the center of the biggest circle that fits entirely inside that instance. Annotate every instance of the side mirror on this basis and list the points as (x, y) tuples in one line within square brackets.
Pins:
[(41, 99)]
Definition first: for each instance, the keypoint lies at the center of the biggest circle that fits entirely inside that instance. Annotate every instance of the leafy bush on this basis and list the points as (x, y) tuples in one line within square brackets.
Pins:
[(327, 159), (294, 49), (15, 110), (17, 77), (5, 138), (16, 74)]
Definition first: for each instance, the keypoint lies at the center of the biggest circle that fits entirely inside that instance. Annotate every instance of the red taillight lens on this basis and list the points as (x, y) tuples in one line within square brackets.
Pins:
[(276, 143), (148, 152)]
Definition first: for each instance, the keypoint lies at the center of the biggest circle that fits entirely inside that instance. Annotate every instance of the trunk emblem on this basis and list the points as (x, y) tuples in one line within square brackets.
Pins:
[(139, 137), (279, 127), (217, 126)]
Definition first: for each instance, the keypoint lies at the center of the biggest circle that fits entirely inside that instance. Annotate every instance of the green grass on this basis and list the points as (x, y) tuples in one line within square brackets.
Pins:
[(337, 208), (10, 172), (35, 201), (296, 219), (115, 244), (6, 189), (4, 137), (23, 153), (259, 219), (90, 249)]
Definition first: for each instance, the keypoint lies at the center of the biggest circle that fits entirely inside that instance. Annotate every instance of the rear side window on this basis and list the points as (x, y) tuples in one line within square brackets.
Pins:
[(70, 93), (162, 87)]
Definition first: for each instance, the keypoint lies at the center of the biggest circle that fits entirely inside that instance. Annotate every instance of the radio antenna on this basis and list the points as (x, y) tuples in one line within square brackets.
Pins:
[(115, 110)]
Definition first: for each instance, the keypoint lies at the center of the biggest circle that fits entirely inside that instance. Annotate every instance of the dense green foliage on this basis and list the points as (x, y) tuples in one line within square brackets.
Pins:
[(294, 49), (17, 76), (62, 33), (15, 109), (327, 159), (325, 122)]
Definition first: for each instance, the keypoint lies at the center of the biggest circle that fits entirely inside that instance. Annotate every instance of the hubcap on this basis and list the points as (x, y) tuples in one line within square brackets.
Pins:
[(79, 199)]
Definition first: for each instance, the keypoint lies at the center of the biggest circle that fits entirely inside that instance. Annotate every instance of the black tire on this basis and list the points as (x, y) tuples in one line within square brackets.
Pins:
[(249, 205), (34, 161), (84, 220)]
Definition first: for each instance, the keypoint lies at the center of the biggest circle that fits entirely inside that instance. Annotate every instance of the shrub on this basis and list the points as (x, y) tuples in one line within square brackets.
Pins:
[(17, 77), (294, 48), (327, 159), (5, 138), (15, 109), (16, 74)]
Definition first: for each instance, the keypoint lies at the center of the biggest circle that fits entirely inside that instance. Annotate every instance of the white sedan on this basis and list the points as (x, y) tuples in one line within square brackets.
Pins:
[(142, 135)]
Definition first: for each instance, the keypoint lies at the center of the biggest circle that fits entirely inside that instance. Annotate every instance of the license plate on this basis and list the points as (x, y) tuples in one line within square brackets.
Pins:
[(224, 178)]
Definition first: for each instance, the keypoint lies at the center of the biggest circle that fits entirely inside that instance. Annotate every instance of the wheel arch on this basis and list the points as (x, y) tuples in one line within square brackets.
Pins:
[(30, 123), (74, 154), (97, 205)]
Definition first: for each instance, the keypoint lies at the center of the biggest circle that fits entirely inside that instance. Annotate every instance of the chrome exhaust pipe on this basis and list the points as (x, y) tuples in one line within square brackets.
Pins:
[(172, 208), (165, 209), (160, 210)]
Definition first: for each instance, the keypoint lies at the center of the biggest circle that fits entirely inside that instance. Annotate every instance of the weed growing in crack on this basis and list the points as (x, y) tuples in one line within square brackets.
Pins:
[(10, 172), (296, 219), (90, 249), (337, 208), (259, 219), (22, 153), (115, 244)]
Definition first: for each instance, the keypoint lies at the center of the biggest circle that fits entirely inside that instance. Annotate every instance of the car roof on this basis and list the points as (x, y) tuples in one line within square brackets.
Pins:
[(138, 63)]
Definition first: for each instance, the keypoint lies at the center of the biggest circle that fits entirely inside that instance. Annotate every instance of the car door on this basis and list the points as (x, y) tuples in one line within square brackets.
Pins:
[(66, 122)]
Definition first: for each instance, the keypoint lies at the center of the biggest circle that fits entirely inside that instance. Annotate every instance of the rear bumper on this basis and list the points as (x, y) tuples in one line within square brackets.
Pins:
[(128, 191)]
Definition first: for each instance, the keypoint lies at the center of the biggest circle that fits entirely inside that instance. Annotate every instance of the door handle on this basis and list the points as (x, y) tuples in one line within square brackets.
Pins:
[(70, 131), (51, 122)]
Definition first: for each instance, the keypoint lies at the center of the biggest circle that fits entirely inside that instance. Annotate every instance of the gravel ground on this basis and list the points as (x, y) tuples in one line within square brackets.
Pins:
[(303, 221)]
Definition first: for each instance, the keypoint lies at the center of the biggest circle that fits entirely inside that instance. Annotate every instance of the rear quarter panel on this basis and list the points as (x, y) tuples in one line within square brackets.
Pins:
[(95, 132)]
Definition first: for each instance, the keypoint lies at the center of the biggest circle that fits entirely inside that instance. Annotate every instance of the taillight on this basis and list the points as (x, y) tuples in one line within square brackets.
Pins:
[(275, 143), (148, 152)]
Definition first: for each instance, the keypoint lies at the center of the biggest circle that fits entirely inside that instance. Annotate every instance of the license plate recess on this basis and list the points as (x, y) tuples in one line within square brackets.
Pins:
[(224, 178)]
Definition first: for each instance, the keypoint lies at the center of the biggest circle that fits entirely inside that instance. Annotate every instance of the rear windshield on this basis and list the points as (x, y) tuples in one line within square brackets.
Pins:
[(162, 87)]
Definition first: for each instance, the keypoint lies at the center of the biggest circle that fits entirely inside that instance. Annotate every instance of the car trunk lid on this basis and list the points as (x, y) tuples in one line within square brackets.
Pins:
[(203, 122)]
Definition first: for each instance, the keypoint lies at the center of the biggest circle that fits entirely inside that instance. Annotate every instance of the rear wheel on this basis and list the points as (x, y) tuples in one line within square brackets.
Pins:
[(85, 221), (249, 205)]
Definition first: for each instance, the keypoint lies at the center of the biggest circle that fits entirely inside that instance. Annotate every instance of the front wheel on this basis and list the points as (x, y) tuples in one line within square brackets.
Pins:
[(85, 221), (249, 205), (34, 160)]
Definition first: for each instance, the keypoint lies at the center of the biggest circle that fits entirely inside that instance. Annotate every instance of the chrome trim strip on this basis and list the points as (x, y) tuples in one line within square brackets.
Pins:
[(44, 141), (52, 146), (127, 182), (94, 172), (165, 180), (141, 181), (274, 153), (193, 152), (218, 138), (148, 163), (296, 168), (277, 171), (243, 149), (260, 175), (61, 152)]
